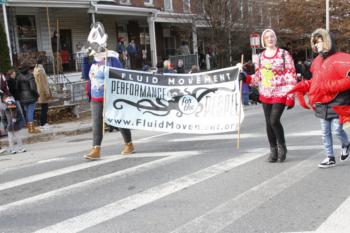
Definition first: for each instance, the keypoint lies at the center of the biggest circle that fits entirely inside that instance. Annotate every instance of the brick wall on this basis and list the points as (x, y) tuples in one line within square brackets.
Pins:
[(178, 6), (159, 4)]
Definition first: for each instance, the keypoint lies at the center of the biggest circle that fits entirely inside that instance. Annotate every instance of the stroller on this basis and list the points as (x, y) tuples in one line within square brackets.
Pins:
[(14, 122)]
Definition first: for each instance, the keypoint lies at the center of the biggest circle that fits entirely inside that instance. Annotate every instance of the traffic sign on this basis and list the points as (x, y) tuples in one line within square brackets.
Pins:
[(255, 40)]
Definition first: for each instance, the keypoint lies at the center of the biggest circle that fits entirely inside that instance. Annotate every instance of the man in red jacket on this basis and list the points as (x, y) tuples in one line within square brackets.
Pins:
[(328, 92)]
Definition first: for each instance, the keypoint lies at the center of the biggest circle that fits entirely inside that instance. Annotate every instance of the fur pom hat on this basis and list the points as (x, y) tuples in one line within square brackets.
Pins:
[(263, 35), (326, 38)]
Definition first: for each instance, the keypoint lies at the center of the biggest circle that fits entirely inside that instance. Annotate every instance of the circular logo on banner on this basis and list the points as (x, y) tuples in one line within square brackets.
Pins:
[(188, 104)]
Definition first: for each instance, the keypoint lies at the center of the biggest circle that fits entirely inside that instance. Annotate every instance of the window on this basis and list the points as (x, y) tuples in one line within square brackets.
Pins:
[(250, 9), (168, 5), (126, 2), (148, 2), (241, 9), (187, 6), (26, 31)]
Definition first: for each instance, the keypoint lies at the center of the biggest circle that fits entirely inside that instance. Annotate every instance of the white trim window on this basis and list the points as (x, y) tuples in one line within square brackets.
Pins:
[(187, 6), (148, 2), (168, 5), (124, 2), (26, 33)]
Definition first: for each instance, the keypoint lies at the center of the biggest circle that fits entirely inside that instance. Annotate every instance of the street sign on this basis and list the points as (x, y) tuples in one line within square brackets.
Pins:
[(254, 40)]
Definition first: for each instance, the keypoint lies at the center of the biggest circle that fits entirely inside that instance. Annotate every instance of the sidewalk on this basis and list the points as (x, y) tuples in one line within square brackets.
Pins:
[(75, 127)]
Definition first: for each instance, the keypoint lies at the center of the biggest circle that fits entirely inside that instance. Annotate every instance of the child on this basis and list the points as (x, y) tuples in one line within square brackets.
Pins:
[(15, 122)]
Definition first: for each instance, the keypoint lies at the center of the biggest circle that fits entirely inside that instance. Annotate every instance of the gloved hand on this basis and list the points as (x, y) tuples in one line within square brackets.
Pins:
[(240, 66), (242, 77)]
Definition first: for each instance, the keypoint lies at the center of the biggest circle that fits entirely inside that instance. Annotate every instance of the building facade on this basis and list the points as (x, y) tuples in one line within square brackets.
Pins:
[(157, 26)]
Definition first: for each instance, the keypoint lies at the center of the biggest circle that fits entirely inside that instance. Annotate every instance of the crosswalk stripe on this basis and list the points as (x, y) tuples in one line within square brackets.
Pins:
[(125, 205), (242, 136), (338, 221), (79, 186), (108, 141), (227, 213), (70, 169), (292, 148)]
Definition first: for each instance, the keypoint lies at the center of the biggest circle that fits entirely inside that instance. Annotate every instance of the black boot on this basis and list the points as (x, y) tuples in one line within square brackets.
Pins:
[(282, 152), (273, 155)]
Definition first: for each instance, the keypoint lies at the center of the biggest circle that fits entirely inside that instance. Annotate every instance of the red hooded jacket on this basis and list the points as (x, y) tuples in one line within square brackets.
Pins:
[(330, 77)]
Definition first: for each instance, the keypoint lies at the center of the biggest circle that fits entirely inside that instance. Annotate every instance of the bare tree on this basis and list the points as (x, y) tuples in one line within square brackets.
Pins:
[(298, 18), (225, 32)]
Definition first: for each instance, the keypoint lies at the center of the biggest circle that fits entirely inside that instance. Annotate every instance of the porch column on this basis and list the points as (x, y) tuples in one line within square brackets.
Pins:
[(93, 18), (194, 39), (7, 32), (152, 36)]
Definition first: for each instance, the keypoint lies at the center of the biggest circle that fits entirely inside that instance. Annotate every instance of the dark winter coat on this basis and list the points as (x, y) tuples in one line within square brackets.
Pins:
[(12, 83), (27, 90)]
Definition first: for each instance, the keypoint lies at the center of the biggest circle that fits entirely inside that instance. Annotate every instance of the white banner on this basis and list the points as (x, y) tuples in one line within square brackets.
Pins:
[(198, 103)]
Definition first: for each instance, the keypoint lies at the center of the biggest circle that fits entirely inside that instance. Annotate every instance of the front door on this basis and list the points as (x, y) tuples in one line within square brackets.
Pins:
[(66, 48)]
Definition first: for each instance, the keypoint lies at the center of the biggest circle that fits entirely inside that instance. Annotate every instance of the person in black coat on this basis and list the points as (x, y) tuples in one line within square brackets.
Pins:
[(28, 94)]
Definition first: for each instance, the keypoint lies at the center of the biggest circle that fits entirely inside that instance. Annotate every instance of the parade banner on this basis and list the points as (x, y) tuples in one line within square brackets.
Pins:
[(199, 103)]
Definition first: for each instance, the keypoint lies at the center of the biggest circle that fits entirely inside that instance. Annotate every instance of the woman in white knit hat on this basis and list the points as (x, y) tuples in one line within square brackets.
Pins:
[(274, 76)]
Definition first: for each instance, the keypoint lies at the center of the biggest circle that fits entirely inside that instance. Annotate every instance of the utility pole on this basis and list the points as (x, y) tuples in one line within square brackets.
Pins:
[(7, 29), (327, 15), (229, 32)]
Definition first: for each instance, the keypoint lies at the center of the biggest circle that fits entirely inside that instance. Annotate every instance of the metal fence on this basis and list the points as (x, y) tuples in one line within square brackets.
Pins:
[(69, 93), (188, 60), (77, 91)]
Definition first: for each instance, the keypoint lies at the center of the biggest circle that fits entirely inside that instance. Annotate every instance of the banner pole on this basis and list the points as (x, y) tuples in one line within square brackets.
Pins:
[(104, 96), (240, 106), (57, 47)]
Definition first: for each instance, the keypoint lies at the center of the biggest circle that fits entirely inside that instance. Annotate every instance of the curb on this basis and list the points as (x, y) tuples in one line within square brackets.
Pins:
[(49, 135)]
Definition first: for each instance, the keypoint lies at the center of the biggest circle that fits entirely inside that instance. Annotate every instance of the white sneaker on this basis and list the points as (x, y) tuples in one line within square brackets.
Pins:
[(344, 153), (45, 127), (2, 150), (13, 151), (21, 150), (327, 162)]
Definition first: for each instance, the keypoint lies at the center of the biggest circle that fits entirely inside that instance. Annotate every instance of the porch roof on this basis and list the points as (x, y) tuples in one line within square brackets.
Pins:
[(112, 9), (169, 17), (49, 3)]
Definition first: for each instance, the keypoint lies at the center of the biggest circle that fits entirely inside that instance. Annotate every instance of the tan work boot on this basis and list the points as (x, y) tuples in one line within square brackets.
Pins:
[(128, 149), (94, 153), (32, 129)]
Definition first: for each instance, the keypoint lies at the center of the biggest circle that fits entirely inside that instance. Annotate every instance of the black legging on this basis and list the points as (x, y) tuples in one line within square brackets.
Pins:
[(43, 113), (274, 128), (126, 133)]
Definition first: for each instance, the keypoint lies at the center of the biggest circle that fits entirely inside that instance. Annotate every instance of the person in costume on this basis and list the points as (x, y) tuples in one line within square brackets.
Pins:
[(97, 76), (274, 76), (328, 92)]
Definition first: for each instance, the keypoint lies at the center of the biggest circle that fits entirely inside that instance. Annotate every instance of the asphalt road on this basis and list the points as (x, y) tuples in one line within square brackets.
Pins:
[(178, 183)]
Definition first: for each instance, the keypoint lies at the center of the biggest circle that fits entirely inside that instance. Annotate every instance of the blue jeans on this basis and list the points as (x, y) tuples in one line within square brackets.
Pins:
[(326, 127), (245, 98), (29, 108), (22, 122)]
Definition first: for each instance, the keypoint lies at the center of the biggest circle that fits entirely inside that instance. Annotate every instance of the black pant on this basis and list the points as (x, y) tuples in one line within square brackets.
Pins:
[(43, 113), (274, 128), (126, 133)]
